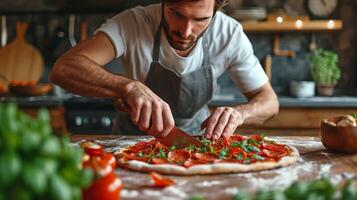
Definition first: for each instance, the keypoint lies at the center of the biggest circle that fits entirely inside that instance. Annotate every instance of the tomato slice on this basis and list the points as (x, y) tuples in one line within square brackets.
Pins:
[(191, 162), (92, 148), (236, 151), (161, 181), (236, 138), (256, 137), (210, 157), (274, 147), (158, 161), (274, 154), (109, 159), (179, 155)]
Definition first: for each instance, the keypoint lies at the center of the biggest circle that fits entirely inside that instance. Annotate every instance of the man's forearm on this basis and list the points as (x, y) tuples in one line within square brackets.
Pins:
[(260, 108), (82, 76)]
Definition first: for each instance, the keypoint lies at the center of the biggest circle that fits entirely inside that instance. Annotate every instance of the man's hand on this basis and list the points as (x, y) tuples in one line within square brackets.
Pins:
[(147, 110), (222, 122)]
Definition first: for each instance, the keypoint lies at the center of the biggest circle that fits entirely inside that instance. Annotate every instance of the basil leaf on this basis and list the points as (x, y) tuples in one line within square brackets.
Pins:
[(191, 147), (223, 153), (141, 154), (173, 147), (258, 157), (161, 153), (239, 156)]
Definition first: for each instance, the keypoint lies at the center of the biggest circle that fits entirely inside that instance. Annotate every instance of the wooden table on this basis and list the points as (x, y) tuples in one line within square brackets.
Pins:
[(315, 162)]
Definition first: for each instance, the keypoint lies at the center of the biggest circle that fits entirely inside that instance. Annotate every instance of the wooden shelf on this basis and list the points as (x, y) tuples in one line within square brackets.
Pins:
[(293, 26)]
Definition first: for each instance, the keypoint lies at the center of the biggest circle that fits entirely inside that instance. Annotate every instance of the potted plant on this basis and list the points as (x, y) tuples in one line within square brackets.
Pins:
[(324, 71)]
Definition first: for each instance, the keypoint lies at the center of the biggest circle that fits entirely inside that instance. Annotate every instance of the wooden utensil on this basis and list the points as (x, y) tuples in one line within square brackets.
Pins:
[(19, 60)]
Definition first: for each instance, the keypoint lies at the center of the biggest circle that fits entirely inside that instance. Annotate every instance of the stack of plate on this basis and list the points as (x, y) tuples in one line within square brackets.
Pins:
[(249, 14)]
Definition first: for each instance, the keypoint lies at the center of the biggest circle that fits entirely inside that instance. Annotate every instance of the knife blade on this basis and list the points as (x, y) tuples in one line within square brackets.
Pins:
[(177, 137)]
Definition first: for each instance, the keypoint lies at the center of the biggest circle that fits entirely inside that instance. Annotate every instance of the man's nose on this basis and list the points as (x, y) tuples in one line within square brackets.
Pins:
[(186, 30)]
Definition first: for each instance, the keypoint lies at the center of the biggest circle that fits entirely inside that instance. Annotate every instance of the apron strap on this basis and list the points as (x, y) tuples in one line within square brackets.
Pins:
[(156, 49)]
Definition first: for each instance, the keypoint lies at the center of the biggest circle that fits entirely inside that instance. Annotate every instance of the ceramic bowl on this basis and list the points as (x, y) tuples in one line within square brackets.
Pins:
[(337, 138)]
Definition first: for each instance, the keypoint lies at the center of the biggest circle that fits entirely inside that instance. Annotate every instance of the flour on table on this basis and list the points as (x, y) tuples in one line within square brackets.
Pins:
[(176, 191), (129, 193), (208, 183)]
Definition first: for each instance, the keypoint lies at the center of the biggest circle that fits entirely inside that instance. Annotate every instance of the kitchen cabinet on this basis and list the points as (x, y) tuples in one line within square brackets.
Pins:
[(297, 121)]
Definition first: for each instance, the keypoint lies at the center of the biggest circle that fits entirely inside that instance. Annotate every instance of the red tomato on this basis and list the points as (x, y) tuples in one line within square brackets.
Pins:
[(107, 187), (161, 181), (109, 159), (179, 155), (92, 148), (256, 137)]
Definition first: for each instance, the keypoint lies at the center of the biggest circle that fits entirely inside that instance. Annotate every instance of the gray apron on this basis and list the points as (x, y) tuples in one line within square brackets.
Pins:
[(187, 95)]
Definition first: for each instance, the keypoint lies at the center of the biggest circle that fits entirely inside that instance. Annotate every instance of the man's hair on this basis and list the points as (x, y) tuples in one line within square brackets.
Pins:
[(219, 3)]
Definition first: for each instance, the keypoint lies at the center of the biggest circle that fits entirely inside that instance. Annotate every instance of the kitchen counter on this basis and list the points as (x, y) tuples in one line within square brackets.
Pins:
[(218, 100), (287, 101), (315, 162)]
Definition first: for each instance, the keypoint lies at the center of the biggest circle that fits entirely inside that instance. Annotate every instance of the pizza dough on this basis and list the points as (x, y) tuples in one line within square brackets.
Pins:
[(176, 161)]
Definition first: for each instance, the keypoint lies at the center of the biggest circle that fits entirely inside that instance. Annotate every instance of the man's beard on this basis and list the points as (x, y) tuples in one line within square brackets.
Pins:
[(170, 37)]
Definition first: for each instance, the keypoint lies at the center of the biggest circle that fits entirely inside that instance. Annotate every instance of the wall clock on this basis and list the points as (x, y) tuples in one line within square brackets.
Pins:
[(322, 8)]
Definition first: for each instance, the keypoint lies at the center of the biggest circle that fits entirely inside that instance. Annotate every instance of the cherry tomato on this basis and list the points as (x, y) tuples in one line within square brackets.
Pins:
[(161, 181)]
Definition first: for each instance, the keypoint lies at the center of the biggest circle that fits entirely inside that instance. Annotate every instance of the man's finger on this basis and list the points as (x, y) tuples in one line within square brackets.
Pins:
[(231, 127), (168, 121), (212, 121), (145, 116), (156, 122), (221, 124)]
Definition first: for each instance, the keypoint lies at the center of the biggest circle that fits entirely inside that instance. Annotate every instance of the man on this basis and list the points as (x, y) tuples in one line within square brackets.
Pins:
[(173, 54)]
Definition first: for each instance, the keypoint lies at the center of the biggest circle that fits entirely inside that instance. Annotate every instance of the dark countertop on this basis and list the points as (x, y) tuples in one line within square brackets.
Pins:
[(285, 101)]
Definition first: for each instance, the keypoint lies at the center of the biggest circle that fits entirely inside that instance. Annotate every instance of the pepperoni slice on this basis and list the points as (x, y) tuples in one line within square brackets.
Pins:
[(161, 181), (236, 138), (210, 157), (179, 155), (274, 154), (274, 147), (191, 162), (140, 146)]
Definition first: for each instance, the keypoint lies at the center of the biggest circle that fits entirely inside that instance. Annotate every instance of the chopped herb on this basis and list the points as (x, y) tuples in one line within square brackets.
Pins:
[(239, 156), (191, 147), (205, 141), (354, 115), (258, 157), (253, 148), (223, 153), (252, 141), (141, 154), (211, 149), (237, 144), (161, 153), (173, 147), (203, 149)]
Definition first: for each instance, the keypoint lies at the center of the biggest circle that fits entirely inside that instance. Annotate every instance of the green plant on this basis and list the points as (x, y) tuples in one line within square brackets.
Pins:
[(323, 66), (34, 163)]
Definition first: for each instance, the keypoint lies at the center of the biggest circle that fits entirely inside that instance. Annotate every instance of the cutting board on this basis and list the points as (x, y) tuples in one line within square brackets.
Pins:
[(19, 60)]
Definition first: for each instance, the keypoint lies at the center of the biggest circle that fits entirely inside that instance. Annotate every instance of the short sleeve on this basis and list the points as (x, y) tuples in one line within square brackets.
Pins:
[(115, 28), (243, 66)]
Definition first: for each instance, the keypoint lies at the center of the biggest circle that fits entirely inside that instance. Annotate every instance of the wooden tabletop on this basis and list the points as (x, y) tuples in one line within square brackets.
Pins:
[(315, 162)]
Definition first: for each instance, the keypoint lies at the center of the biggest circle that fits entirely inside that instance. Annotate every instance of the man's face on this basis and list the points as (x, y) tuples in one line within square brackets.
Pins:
[(186, 21)]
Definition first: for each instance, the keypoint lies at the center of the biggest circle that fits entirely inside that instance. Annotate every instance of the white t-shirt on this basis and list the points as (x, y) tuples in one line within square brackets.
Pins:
[(132, 32)]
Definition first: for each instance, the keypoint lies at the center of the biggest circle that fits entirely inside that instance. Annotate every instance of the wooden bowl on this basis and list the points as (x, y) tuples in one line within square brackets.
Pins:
[(30, 90), (337, 138)]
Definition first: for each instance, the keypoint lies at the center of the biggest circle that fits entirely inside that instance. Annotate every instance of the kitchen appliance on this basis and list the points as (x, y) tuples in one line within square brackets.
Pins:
[(89, 115)]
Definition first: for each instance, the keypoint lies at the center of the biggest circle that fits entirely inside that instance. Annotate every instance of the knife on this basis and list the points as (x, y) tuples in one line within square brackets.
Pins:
[(177, 137)]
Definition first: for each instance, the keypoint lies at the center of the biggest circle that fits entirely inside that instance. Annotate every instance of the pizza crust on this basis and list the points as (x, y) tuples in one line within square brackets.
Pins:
[(214, 168)]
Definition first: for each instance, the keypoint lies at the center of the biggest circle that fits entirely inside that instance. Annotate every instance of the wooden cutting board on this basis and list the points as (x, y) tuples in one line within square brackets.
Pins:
[(19, 60)]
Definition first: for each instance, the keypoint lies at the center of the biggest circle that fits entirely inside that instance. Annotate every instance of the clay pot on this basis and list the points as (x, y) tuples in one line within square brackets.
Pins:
[(337, 138), (325, 89)]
